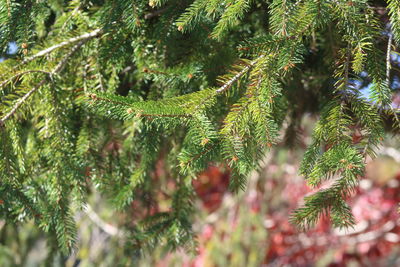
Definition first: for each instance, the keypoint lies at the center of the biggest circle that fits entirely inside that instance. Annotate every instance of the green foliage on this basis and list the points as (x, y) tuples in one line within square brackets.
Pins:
[(101, 93), (234, 11), (394, 12)]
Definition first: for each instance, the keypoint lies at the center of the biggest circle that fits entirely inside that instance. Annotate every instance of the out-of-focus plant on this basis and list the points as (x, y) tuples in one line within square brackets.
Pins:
[(252, 229)]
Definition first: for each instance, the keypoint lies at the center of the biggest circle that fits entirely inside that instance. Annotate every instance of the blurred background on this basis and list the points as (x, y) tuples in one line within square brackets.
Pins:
[(247, 229)]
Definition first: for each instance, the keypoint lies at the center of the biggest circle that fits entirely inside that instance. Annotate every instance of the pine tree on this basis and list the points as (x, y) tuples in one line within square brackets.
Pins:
[(99, 91)]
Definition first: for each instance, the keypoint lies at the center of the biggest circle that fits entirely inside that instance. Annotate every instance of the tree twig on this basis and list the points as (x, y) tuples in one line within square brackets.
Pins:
[(60, 66), (228, 84), (389, 50), (72, 40), (21, 74), (388, 67)]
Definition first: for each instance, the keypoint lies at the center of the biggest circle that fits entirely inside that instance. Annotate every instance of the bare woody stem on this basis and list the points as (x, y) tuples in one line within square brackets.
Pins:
[(388, 67), (48, 50), (60, 66), (228, 84)]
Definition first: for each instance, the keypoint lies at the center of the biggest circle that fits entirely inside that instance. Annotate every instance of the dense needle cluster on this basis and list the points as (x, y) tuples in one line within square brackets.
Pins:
[(100, 91)]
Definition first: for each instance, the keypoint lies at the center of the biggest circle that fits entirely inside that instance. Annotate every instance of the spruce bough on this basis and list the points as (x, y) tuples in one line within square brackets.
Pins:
[(100, 91)]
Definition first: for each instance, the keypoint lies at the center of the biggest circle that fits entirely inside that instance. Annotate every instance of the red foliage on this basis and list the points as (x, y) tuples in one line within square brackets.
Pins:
[(376, 234), (374, 237), (211, 186)]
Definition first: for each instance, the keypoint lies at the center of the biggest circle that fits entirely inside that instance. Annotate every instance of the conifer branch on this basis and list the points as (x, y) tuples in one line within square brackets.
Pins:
[(85, 36), (94, 97), (229, 83), (21, 101), (21, 74), (165, 115), (59, 67), (238, 130), (202, 153)]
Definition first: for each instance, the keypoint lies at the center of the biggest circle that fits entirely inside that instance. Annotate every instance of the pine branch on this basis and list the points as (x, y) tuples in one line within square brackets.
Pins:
[(146, 109), (83, 37), (60, 66), (229, 83), (394, 13), (287, 54), (21, 101), (21, 74), (234, 11)]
